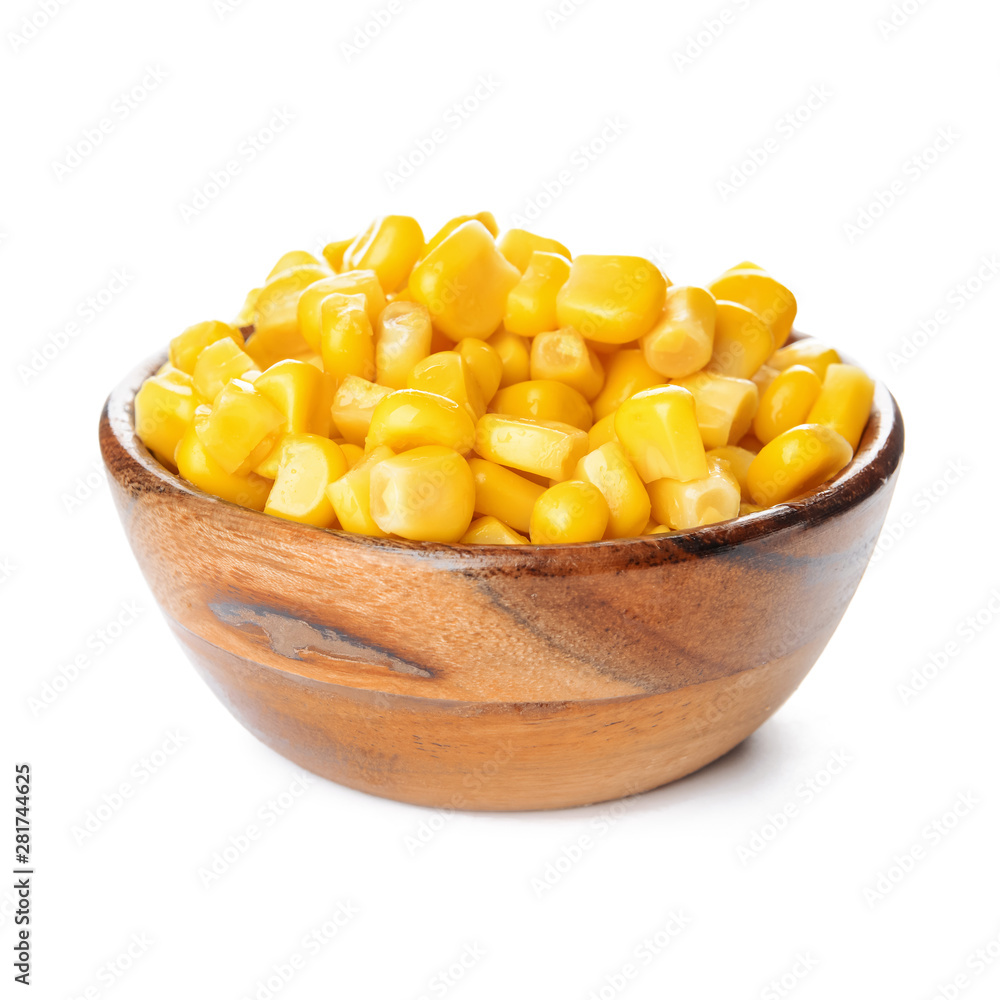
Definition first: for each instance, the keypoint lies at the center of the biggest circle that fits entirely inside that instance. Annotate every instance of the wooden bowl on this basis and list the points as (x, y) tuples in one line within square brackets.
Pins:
[(492, 677)]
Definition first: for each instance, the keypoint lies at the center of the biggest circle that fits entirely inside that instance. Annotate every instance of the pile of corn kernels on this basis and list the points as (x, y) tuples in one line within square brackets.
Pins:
[(486, 390)]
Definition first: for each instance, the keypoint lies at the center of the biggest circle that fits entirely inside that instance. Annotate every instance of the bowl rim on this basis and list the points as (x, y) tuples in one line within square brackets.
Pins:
[(874, 463)]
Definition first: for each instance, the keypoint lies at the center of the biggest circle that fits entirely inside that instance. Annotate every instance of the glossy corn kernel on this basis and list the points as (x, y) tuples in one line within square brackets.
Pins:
[(716, 497), (723, 406), (353, 453), (659, 432), (531, 304), (543, 448), (298, 390), (602, 432), (390, 247), (402, 339), (185, 347), (447, 374), (353, 405), (309, 309), (274, 317), (763, 377), (795, 462), (544, 399), (426, 495), (569, 512), (414, 418), (681, 341), (295, 258), (626, 373), (743, 342), (333, 253), (464, 282), (350, 495), (786, 402), (515, 356), (485, 364), (518, 246), (217, 364), (164, 409), (844, 402), (564, 356), (491, 531), (808, 352), (609, 469), (484, 218), (740, 460), (503, 494), (762, 295), (347, 341), (307, 464), (197, 466), (241, 428), (611, 299)]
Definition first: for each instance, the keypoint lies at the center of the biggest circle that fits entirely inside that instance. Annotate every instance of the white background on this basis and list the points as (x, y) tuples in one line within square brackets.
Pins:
[(882, 96)]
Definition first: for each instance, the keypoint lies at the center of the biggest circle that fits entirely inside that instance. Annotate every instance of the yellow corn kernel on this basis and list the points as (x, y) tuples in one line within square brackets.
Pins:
[(723, 406), (795, 462), (808, 352), (426, 495), (786, 402), (197, 466), (657, 529), (503, 494), (750, 508), (298, 390), (761, 294), (447, 374), (307, 464), (275, 320), (611, 299), (164, 409), (750, 443), (544, 399), (609, 469), (563, 355), (544, 448), (486, 218), (743, 341), (602, 432), (491, 531), (716, 497), (241, 428), (390, 247), (515, 356), (485, 364), (353, 405), (295, 258), (844, 402), (402, 338), (334, 253), (739, 460), (763, 377), (186, 346), (353, 453), (413, 418), (346, 338), (244, 318), (569, 512), (681, 341), (464, 282), (348, 283), (658, 430), (350, 495), (217, 364), (531, 304), (518, 246), (626, 373)]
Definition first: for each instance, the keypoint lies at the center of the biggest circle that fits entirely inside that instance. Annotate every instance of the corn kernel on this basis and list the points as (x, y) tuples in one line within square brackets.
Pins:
[(563, 355), (217, 364), (353, 405), (197, 466), (750, 508), (626, 373), (518, 246), (447, 374), (275, 319), (241, 427), (186, 346), (796, 462), (681, 341), (426, 494), (164, 409), (569, 512), (763, 377), (750, 443), (808, 352), (786, 402), (543, 448), (723, 406), (402, 339), (346, 337), (544, 399), (309, 309), (464, 282), (503, 494), (390, 247), (716, 497), (614, 475), (485, 363), (353, 453), (334, 252), (350, 495), (739, 460), (531, 304), (491, 531), (413, 418), (486, 218), (743, 342), (515, 356), (762, 295), (298, 390), (602, 432), (844, 402), (307, 464), (295, 258), (659, 432)]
